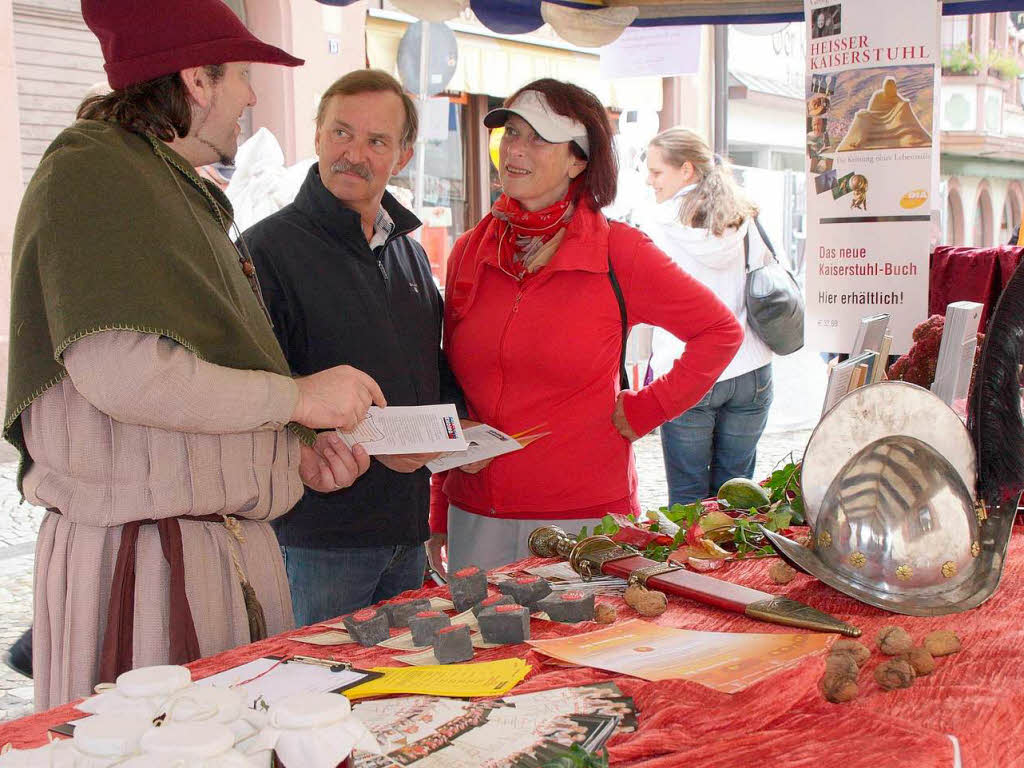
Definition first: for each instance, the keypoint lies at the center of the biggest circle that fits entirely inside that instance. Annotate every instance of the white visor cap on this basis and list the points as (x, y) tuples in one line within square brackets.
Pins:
[(533, 107)]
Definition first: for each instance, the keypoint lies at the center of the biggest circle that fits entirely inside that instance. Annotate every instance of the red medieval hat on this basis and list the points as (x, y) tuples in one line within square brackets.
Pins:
[(146, 39)]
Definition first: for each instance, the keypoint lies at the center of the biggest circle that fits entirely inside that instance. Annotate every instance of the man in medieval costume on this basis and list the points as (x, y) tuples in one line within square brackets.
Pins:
[(151, 403)]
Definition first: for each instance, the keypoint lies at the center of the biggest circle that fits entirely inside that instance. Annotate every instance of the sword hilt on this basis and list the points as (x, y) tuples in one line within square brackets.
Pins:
[(586, 556), (551, 541)]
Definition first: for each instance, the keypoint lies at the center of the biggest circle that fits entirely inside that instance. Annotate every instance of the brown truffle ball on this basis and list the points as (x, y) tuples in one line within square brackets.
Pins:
[(895, 673), (645, 601), (942, 642), (860, 652), (604, 613), (781, 573), (922, 661), (893, 641)]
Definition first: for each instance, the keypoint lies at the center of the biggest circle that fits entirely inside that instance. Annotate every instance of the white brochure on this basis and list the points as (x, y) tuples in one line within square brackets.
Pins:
[(485, 442), (408, 429)]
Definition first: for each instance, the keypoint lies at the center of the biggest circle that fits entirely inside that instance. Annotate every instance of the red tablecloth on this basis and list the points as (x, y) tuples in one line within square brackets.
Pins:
[(976, 695), (970, 274)]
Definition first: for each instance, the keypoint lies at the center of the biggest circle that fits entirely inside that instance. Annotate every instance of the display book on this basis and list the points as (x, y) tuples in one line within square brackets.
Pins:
[(957, 350), (866, 363)]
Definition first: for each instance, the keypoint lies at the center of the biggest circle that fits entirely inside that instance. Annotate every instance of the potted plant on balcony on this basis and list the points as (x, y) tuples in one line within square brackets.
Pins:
[(1004, 65), (960, 60)]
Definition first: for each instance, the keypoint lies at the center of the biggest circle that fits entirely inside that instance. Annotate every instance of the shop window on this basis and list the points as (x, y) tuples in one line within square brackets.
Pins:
[(956, 31), (953, 233), (983, 221), (495, 179), (443, 209), (1011, 214), (788, 161), (748, 158)]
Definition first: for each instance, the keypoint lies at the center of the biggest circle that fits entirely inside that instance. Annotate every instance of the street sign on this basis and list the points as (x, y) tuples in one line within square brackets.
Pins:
[(442, 56)]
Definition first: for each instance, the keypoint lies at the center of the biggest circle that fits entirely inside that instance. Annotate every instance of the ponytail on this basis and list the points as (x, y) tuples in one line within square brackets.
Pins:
[(718, 203)]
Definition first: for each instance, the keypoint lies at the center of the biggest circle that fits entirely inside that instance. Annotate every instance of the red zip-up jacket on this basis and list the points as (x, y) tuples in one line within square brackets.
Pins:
[(544, 353)]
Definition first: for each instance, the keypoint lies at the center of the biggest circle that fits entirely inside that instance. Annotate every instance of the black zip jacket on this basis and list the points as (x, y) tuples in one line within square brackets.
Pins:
[(333, 301)]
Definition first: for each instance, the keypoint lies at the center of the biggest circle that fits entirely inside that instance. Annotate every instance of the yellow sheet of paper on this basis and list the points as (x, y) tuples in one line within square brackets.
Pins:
[(725, 661), (486, 678)]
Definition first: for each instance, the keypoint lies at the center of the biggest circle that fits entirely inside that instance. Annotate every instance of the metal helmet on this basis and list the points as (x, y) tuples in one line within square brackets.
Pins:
[(896, 526), (885, 409)]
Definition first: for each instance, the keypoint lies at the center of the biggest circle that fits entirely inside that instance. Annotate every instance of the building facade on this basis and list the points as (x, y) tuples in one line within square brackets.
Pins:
[(982, 122)]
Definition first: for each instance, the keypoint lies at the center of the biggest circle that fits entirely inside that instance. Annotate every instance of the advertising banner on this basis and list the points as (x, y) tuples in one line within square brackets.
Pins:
[(871, 139)]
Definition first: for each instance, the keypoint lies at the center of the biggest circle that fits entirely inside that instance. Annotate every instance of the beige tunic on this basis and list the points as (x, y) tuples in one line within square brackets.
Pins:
[(142, 429)]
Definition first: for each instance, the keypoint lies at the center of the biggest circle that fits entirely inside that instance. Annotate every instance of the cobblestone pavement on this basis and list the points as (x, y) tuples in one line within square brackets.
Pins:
[(19, 523)]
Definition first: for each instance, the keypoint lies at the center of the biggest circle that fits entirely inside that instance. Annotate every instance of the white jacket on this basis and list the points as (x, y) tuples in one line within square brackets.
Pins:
[(718, 263)]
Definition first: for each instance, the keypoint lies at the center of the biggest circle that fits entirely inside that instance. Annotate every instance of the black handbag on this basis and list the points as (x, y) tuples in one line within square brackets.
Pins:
[(774, 301)]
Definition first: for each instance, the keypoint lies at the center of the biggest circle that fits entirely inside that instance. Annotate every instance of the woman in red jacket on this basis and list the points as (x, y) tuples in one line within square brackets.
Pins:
[(533, 333)]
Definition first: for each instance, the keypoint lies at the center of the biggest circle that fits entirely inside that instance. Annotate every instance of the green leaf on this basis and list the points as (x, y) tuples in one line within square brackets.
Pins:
[(797, 505), (779, 518), (659, 552), (577, 757), (685, 515), (784, 486), (607, 526), (679, 539), (655, 528), (582, 534), (631, 517), (743, 535)]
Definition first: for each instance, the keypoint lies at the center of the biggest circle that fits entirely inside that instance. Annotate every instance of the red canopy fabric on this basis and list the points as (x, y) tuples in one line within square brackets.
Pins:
[(976, 696)]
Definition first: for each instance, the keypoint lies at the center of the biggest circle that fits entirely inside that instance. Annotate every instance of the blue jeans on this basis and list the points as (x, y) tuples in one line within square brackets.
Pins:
[(326, 583), (716, 440)]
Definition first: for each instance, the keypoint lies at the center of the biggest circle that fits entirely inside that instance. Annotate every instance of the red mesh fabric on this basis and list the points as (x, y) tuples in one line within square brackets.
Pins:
[(976, 695)]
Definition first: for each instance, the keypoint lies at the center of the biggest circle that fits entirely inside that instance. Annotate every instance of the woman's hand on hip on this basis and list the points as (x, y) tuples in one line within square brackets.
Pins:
[(620, 422)]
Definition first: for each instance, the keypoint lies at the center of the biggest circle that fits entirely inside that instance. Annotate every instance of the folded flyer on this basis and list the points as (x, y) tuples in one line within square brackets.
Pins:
[(408, 429), (484, 442)]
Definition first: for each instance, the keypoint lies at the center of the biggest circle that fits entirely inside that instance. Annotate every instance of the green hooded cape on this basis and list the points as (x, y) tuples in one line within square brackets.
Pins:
[(117, 232)]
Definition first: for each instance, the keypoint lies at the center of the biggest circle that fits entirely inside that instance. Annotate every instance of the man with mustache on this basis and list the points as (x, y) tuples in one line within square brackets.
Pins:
[(345, 284), (155, 413)]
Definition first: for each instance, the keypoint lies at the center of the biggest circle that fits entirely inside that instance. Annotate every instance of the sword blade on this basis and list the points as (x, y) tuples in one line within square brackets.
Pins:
[(753, 603)]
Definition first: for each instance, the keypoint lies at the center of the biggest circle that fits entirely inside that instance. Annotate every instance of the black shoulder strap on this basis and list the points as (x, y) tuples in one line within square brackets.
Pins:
[(623, 376), (764, 239)]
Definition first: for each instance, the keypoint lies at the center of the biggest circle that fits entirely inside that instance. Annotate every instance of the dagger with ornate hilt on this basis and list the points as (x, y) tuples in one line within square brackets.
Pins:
[(599, 555)]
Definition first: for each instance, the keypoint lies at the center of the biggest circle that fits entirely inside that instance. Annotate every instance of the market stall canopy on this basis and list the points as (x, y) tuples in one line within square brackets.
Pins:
[(498, 66), (597, 22)]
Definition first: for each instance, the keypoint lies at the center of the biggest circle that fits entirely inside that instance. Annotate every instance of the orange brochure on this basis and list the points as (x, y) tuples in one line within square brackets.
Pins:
[(725, 661)]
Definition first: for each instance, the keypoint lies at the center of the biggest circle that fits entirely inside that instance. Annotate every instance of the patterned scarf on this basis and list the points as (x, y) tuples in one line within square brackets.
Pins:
[(528, 239)]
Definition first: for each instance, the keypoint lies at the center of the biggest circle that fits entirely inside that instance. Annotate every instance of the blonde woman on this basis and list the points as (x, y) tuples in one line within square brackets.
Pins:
[(702, 220)]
